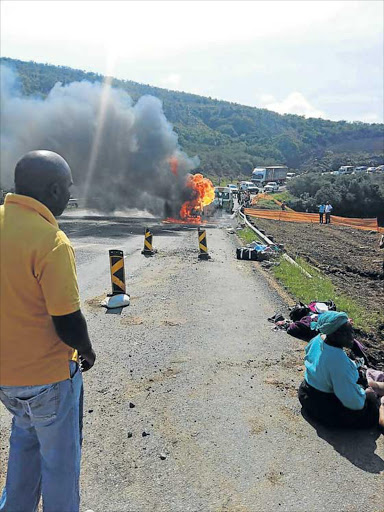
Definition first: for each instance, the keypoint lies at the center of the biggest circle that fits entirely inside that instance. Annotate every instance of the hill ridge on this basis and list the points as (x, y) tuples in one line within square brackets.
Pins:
[(230, 138)]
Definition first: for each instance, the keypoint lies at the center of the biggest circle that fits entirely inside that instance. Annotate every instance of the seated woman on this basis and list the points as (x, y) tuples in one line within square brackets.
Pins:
[(329, 392)]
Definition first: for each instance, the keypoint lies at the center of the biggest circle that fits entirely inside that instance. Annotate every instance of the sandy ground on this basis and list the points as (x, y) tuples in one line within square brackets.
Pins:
[(211, 383)]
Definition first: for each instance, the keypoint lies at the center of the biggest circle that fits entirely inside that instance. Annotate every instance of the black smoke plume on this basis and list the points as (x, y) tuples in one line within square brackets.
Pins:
[(119, 151)]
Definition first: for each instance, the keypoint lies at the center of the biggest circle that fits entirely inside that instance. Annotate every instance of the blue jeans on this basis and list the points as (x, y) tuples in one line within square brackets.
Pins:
[(45, 445)]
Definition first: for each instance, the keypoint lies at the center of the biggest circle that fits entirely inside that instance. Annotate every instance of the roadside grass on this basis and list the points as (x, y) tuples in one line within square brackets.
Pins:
[(320, 288), (247, 235)]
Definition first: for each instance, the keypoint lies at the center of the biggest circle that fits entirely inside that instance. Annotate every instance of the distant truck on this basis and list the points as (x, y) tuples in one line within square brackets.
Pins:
[(263, 175)]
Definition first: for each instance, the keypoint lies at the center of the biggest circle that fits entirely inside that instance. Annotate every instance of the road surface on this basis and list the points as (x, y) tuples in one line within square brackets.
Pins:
[(216, 425)]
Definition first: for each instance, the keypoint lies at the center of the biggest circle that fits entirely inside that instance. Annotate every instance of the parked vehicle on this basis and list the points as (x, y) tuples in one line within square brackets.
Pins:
[(361, 168), (290, 175), (73, 202), (346, 169), (380, 168), (233, 188), (371, 169), (250, 186), (271, 187), (263, 175), (223, 199)]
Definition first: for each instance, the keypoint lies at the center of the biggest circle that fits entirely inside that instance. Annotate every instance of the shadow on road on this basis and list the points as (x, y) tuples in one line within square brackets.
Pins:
[(358, 446), (114, 311), (113, 227)]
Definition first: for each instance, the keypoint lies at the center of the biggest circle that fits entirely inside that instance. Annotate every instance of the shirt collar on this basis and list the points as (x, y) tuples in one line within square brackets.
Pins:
[(32, 204)]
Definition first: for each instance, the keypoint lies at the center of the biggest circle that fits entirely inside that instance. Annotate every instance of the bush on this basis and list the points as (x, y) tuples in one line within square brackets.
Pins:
[(350, 196)]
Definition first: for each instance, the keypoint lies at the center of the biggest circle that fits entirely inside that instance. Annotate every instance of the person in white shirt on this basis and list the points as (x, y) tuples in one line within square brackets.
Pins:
[(328, 209)]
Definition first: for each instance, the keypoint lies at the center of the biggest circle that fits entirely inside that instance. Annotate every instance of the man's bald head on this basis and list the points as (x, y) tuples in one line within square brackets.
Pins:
[(45, 176)]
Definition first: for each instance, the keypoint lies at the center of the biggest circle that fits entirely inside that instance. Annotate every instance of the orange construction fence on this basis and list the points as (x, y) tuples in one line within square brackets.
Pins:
[(292, 216)]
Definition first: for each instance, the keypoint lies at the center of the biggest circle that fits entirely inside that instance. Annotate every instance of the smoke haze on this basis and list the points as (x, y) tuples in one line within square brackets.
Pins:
[(119, 152)]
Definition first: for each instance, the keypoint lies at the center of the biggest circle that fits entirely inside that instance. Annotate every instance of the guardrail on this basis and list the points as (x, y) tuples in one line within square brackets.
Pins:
[(268, 241)]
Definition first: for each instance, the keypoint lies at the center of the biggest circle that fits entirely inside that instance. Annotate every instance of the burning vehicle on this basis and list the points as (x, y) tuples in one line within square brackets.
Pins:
[(200, 193)]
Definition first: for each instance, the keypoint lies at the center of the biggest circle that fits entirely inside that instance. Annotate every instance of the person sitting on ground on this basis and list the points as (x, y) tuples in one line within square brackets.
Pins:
[(330, 393)]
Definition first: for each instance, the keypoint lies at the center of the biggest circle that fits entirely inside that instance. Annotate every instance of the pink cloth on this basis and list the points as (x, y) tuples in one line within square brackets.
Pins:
[(377, 376)]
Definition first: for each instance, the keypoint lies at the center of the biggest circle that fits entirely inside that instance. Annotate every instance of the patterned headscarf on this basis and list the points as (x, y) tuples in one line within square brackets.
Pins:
[(330, 321)]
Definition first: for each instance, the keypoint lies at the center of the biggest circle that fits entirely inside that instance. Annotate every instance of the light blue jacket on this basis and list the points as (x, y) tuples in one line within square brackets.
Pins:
[(330, 370)]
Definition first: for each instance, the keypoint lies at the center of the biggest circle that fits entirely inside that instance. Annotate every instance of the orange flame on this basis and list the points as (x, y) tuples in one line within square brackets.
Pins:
[(203, 193)]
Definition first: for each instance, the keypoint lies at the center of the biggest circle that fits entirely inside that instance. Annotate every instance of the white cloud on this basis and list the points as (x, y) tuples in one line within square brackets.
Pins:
[(267, 98), (371, 117), (171, 81), (294, 103), (329, 51)]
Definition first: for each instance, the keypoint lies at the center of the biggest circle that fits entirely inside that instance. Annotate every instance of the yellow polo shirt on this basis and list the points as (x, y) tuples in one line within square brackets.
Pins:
[(37, 280)]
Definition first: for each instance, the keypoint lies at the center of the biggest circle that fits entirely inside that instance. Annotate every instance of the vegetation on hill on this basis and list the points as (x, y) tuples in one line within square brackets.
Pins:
[(231, 139)]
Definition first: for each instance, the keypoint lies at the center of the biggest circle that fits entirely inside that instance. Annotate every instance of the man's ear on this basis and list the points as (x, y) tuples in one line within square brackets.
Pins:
[(54, 190)]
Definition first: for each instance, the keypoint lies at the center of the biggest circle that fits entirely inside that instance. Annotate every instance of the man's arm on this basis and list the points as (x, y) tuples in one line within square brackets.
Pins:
[(72, 330)]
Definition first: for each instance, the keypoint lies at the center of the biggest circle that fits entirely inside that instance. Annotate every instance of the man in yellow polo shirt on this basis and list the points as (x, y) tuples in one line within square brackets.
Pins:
[(42, 330)]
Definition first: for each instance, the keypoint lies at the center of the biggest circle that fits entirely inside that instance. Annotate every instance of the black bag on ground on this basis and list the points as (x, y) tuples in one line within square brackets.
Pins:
[(299, 311), (245, 253), (331, 305)]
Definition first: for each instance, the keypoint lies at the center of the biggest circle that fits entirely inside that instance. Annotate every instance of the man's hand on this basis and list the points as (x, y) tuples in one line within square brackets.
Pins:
[(87, 360)]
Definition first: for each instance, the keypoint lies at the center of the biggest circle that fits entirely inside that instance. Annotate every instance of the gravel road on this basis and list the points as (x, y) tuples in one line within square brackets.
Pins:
[(192, 403)]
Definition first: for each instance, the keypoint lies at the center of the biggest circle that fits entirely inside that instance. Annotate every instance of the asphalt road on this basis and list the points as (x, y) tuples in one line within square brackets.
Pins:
[(212, 385)]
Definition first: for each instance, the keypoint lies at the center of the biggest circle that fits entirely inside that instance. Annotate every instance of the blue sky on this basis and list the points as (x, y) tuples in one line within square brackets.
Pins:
[(314, 58)]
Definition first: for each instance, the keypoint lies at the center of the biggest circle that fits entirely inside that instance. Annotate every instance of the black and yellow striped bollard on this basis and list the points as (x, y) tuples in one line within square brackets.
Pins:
[(116, 260), (203, 244), (148, 247)]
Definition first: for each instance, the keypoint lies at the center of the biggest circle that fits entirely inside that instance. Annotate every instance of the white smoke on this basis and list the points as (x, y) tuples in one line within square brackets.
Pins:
[(119, 152)]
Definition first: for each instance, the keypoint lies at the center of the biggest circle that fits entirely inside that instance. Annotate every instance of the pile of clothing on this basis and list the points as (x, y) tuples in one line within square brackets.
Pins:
[(256, 251), (302, 325), (302, 319)]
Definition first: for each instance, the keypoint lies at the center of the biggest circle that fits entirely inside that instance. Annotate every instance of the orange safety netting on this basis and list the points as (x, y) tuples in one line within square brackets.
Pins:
[(292, 216)]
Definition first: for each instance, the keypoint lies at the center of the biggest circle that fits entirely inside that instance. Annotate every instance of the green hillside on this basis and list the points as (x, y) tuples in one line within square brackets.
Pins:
[(230, 139)]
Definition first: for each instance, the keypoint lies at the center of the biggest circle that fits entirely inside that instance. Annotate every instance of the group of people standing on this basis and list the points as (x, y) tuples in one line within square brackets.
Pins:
[(325, 209)]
